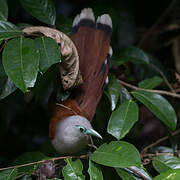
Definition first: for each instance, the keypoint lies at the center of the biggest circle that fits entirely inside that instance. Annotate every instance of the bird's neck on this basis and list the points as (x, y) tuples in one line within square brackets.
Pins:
[(63, 110)]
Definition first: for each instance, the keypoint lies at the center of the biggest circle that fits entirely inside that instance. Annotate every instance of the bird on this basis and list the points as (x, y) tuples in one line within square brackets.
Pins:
[(70, 122)]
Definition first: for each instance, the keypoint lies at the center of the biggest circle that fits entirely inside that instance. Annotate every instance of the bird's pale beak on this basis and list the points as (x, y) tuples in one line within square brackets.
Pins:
[(92, 132)]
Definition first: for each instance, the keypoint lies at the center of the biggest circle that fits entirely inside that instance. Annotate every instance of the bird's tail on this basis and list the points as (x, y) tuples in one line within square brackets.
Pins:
[(92, 40)]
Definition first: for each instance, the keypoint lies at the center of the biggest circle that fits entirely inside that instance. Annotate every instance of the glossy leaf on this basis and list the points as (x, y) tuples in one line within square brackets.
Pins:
[(164, 163), (126, 175), (123, 119), (3, 10), (133, 173), (21, 61), (162, 149), (73, 170), (132, 54), (159, 106), (49, 52), (29, 157), (124, 95), (144, 71), (113, 91), (26, 178), (169, 175), (117, 154), (9, 174), (43, 10), (9, 30), (44, 87), (6, 85), (94, 171), (150, 83)]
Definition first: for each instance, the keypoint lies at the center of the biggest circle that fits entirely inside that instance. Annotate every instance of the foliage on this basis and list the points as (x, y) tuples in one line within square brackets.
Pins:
[(29, 75)]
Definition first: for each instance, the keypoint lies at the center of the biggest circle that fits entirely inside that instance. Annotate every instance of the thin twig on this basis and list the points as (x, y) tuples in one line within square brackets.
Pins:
[(149, 90), (164, 77), (38, 162), (177, 90), (159, 20), (3, 45), (92, 143), (66, 107), (159, 141), (147, 158), (150, 155)]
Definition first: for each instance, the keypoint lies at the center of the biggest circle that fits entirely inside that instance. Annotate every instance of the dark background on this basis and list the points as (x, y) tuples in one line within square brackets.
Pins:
[(24, 120)]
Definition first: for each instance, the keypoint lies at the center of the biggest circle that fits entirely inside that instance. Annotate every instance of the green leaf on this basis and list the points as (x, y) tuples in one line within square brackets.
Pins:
[(9, 30), (169, 175), (64, 24), (164, 163), (26, 158), (26, 178), (49, 52), (150, 83), (118, 154), (162, 149), (3, 10), (124, 95), (126, 175), (9, 174), (159, 106), (21, 61), (6, 85), (113, 91), (132, 54), (43, 10), (123, 119), (94, 171), (73, 170), (44, 87), (133, 173)]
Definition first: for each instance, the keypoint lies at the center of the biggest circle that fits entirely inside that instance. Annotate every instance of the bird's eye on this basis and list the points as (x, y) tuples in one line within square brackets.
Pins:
[(81, 128)]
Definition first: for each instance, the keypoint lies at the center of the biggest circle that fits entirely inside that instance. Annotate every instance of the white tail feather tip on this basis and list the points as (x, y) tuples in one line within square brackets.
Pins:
[(87, 13), (105, 19), (76, 20)]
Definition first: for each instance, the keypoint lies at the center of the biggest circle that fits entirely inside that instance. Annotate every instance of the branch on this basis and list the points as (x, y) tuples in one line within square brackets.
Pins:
[(149, 90), (164, 77), (38, 162), (159, 20), (159, 141)]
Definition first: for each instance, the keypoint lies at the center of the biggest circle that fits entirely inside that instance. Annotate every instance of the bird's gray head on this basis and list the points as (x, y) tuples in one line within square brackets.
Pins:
[(72, 134)]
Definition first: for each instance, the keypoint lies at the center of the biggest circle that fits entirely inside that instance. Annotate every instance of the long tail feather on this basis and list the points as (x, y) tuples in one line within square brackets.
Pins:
[(93, 44)]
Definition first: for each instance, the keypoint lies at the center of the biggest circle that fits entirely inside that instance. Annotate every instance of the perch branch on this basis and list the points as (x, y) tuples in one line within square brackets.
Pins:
[(38, 162), (164, 77), (159, 141), (149, 90)]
